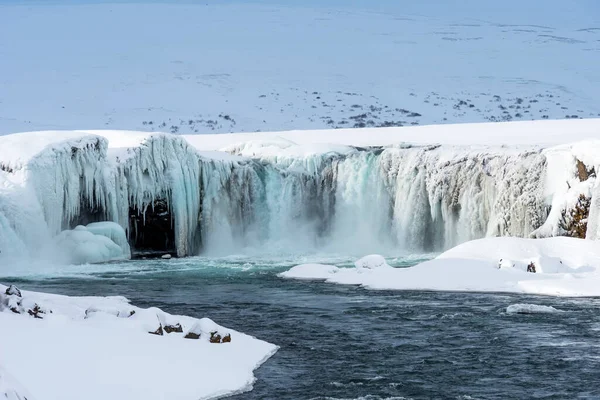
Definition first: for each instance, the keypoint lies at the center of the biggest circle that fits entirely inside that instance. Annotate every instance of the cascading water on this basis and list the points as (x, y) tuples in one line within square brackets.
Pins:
[(352, 200)]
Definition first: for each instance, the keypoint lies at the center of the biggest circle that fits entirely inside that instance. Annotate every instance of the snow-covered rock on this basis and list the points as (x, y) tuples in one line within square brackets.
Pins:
[(371, 261), (310, 272), (78, 336), (565, 267)]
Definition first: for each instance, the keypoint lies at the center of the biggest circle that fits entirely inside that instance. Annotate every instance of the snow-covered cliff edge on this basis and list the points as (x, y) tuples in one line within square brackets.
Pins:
[(423, 188)]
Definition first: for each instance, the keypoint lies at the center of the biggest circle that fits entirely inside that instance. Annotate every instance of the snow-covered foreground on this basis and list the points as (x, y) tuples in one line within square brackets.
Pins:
[(98, 348), (11, 389), (564, 267), (247, 65)]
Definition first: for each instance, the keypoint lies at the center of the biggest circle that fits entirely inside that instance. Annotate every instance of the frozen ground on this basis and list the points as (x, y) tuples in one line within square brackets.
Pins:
[(236, 66), (564, 267), (103, 348)]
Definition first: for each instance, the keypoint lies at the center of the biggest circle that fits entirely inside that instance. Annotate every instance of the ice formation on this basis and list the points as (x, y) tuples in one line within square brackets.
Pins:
[(98, 242), (168, 193)]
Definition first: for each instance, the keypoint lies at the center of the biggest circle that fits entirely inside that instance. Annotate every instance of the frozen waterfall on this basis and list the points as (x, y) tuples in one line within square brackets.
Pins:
[(170, 197)]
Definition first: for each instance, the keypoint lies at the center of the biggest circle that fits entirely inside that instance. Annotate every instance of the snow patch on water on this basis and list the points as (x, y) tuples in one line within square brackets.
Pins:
[(524, 308)]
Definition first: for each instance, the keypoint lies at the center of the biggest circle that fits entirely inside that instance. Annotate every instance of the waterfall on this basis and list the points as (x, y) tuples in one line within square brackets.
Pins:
[(359, 200)]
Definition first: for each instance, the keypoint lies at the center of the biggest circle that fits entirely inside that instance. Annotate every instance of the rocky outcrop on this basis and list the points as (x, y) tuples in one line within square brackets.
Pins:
[(574, 221)]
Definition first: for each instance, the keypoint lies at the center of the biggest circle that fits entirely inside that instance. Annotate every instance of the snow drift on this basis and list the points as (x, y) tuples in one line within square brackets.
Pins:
[(565, 267), (359, 191)]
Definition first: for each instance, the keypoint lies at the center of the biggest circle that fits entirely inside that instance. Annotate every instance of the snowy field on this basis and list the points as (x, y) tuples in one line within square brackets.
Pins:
[(564, 267), (243, 66)]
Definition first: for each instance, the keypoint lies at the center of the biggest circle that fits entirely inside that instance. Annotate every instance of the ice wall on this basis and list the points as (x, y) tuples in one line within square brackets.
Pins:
[(280, 197)]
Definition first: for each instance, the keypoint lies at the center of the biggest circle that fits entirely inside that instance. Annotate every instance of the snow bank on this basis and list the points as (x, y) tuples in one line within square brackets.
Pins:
[(95, 243), (100, 348), (530, 309), (565, 267)]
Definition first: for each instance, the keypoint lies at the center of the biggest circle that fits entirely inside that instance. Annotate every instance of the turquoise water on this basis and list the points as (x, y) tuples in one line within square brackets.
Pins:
[(344, 342)]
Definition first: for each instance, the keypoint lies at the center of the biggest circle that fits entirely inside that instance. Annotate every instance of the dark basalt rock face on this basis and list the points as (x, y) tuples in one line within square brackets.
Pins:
[(88, 212), (151, 230)]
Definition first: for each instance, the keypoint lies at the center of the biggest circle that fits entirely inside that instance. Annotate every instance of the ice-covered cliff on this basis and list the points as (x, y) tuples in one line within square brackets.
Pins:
[(347, 191)]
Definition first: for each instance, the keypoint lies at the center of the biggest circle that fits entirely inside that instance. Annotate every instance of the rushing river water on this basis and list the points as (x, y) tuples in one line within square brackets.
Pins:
[(343, 342)]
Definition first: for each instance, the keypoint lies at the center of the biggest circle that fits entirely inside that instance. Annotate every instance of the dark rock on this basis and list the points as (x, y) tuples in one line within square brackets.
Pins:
[(581, 171), (215, 337), (173, 328), (192, 335), (158, 332)]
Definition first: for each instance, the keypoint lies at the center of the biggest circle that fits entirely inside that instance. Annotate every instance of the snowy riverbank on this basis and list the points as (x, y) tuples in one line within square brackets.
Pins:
[(564, 267), (101, 348)]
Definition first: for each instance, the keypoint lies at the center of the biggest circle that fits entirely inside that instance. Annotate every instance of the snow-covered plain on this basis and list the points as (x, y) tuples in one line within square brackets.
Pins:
[(101, 349), (564, 267), (247, 65)]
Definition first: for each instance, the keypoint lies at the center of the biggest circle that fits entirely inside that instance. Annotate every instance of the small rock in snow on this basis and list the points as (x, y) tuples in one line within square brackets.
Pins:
[(36, 311), (194, 332), (12, 290), (158, 332), (173, 328), (191, 335), (166, 257), (215, 337)]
